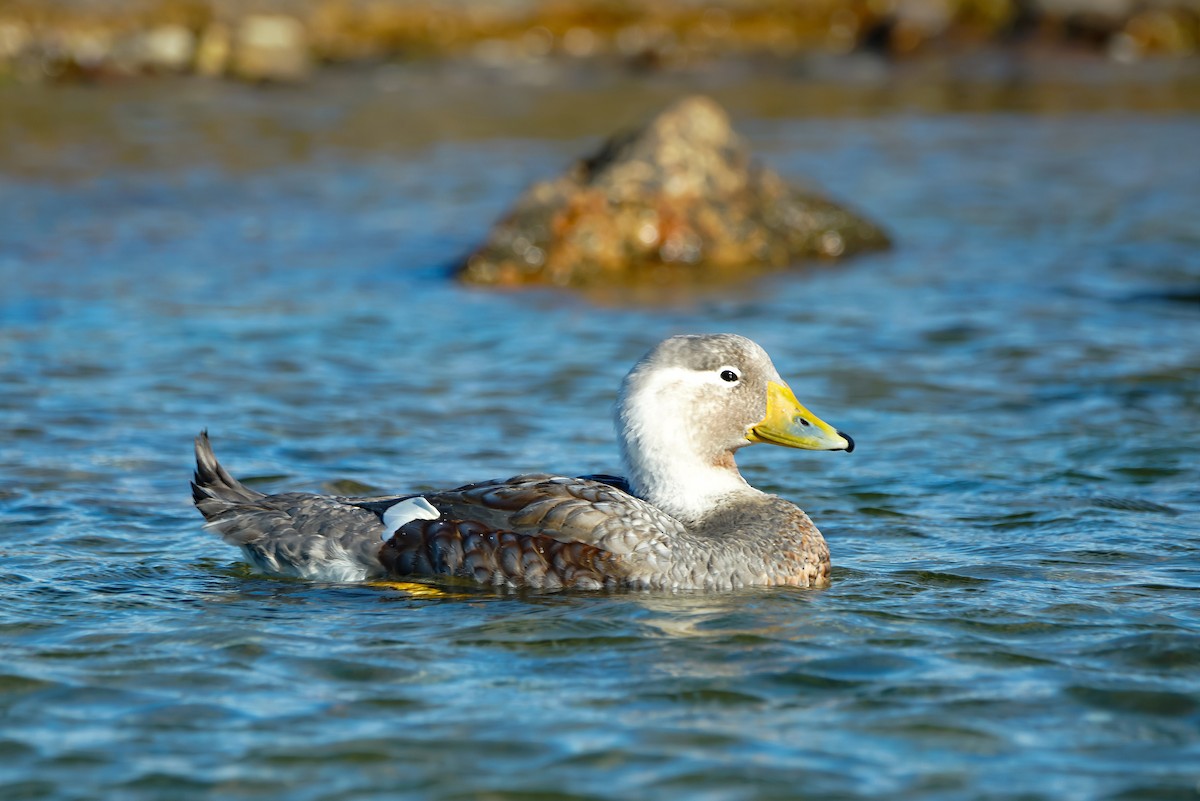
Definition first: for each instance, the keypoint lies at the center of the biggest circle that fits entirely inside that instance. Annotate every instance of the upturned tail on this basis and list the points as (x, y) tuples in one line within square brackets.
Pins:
[(213, 488)]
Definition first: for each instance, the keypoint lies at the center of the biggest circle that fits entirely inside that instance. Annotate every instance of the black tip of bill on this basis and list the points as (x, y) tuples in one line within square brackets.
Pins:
[(849, 442)]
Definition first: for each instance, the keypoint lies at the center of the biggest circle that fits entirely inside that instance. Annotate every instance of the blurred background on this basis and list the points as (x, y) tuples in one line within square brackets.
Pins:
[(280, 38), (244, 216)]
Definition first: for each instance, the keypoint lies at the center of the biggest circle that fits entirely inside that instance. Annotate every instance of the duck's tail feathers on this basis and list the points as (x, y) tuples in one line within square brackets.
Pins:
[(213, 489)]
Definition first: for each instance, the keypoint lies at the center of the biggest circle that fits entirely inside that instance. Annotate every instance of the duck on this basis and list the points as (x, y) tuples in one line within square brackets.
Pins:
[(681, 518)]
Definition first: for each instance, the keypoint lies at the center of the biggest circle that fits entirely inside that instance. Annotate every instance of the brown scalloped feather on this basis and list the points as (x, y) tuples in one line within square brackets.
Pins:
[(468, 549), (562, 508)]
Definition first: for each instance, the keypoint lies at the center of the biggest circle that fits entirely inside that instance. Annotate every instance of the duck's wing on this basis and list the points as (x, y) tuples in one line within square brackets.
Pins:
[(569, 510), (535, 530), (471, 550)]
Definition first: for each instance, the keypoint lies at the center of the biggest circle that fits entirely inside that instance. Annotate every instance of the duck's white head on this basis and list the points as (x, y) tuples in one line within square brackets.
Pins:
[(690, 403)]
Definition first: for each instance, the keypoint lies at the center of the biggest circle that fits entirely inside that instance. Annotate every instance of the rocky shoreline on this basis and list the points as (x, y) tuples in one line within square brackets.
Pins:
[(286, 40)]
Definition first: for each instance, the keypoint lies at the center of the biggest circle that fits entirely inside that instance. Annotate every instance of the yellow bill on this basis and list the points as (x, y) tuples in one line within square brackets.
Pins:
[(789, 424)]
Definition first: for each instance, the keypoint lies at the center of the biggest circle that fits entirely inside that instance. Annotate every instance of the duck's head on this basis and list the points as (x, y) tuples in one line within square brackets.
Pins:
[(693, 401)]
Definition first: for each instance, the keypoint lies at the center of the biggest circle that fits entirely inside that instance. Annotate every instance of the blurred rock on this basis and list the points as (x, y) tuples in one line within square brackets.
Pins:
[(680, 195), (1162, 32), (169, 48), (1113, 9), (917, 21), (214, 50), (86, 49), (271, 47), (14, 37)]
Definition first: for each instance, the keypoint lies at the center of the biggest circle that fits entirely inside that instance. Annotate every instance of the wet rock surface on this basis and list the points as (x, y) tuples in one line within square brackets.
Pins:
[(679, 198)]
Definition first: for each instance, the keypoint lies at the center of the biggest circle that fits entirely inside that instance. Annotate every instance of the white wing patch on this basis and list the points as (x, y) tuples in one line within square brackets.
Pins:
[(407, 511)]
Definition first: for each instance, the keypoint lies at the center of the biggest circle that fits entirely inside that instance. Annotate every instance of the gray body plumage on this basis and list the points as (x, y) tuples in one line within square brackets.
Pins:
[(684, 520)]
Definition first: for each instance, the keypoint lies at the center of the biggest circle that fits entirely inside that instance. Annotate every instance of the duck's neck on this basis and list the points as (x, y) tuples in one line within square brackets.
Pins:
[(686, 485)]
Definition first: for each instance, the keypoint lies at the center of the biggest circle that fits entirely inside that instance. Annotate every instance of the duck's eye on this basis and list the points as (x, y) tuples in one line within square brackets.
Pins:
[(729, 375)]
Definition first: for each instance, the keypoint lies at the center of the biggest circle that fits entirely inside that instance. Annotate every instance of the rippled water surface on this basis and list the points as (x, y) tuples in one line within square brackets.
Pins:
[(1015, 611)]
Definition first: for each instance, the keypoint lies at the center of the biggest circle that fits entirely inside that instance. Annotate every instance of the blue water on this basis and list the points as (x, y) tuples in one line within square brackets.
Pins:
[(1015, 610)]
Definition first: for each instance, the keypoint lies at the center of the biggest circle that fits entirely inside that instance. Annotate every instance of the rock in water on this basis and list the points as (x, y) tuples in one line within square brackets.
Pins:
[(271, 47), (679, 196)]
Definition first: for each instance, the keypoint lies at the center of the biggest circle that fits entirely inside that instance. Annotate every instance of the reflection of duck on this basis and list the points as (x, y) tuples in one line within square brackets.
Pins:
[(685, 517)]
